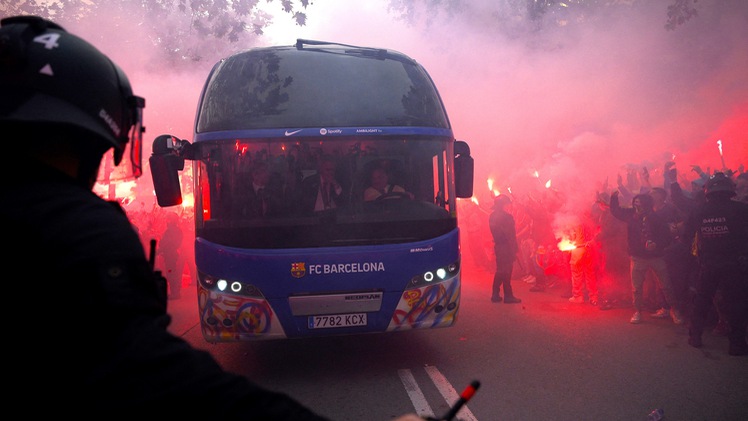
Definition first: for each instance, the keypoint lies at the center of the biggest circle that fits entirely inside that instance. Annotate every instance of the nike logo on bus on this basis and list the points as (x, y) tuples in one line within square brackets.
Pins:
[(292, 133)]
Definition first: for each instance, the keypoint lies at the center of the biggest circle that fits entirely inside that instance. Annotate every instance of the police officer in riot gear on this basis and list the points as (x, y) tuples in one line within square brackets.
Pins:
[(86, 314), (720, 230)]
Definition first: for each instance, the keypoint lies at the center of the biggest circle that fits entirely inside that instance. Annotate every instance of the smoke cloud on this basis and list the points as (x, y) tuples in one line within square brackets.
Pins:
[(577, 104), (578, 100)]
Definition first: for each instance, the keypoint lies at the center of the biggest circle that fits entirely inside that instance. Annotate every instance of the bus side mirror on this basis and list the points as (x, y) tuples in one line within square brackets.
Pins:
[(165, 164), (464, 170)]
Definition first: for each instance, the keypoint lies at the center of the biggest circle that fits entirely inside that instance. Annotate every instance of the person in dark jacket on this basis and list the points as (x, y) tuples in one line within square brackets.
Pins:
[(90, 303), (686, 203), (503, 230), (322, 191), (720, 230), (648, 236), (262, 197), (680, 263)]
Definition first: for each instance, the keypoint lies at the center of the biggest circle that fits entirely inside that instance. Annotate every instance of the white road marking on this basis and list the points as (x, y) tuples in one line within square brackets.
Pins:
[(449, 393), (419, 401), (422, 407)]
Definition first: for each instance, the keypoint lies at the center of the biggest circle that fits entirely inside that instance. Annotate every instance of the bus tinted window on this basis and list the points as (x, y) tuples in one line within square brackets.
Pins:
[(395, 183), (286, 87)]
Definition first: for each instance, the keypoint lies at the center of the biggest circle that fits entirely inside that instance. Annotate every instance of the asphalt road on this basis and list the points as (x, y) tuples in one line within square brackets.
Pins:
[(543, 359)]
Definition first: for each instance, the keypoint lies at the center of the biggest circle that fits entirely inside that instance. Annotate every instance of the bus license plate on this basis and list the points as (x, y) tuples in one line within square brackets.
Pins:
[(337, 320)]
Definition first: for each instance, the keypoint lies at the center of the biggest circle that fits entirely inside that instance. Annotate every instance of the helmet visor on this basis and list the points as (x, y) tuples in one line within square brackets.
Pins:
[(126, 164)]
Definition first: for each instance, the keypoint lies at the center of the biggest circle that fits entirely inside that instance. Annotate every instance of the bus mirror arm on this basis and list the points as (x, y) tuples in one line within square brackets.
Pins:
[(167, 144), (184, 149), (167, 159)]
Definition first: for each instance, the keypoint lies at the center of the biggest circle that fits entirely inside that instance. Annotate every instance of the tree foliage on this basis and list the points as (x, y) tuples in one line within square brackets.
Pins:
[(680, 12), (515, 17), (182, 31)]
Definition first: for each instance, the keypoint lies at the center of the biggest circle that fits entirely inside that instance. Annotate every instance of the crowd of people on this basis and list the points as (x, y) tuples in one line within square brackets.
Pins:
[(173, 230), (639, 245)]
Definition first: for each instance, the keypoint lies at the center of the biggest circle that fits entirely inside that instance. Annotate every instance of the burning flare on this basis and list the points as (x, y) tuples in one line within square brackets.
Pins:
[(566, 245)]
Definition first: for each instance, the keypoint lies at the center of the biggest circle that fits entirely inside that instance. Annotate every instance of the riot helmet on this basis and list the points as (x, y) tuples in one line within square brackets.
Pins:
[(719, 182), (54, 80)]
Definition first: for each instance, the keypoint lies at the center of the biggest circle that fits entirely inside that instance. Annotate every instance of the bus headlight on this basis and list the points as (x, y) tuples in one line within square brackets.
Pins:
[(434, 276), (214, 283)]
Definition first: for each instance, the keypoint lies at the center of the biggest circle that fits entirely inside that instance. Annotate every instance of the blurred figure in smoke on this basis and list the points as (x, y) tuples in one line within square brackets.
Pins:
[(523, 223), (473, 220), (720, 230), (553, 266), (613, 276), (647, 237), (680, 262), (97, 294), (685, 202), (141, 220), (503, 231), (186, 259), (543, 240), (169, 251), (583, 265), (614, 280), (635, 184)]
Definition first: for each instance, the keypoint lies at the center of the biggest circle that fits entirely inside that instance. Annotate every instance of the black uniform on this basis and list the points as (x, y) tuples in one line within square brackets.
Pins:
[(87, 319), (720, 227), (504, 232)]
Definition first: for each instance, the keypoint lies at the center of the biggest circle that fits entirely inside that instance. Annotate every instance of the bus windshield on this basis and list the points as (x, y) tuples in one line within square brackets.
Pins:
[(265, 193)]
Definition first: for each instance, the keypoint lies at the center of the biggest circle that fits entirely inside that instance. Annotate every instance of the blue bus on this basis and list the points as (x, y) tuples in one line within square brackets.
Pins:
[(326, 178)]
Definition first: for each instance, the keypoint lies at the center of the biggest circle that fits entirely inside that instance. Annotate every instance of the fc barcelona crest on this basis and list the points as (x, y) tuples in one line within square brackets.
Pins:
[(298, 269)]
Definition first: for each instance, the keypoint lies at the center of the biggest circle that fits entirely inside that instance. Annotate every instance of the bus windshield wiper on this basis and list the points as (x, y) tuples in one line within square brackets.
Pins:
[(376, 53)]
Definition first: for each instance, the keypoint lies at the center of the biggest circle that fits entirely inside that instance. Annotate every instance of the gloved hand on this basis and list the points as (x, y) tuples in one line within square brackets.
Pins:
[(697, 169)]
